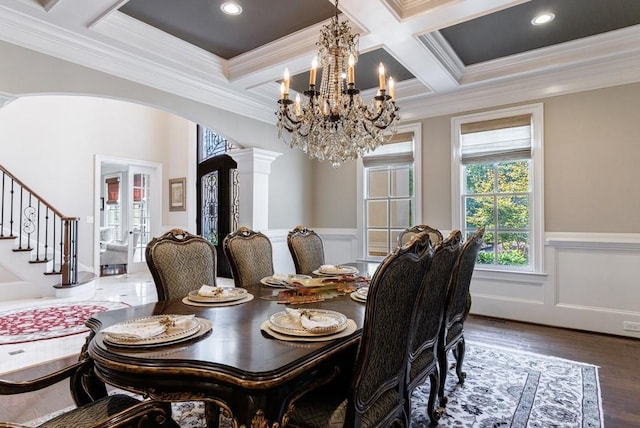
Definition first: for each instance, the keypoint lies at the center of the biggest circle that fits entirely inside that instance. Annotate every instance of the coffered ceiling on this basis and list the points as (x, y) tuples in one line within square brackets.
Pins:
[(448, 55)]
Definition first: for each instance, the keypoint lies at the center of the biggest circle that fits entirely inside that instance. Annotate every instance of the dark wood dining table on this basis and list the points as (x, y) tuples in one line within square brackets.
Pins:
[(236, 366)]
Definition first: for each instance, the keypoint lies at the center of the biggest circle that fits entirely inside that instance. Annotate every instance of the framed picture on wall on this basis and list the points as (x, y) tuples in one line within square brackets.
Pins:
[(177, 194)]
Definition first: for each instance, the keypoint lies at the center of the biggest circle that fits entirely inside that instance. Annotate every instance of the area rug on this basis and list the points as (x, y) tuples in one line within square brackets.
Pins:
[(509, 388), (49, 321), (503, 388)]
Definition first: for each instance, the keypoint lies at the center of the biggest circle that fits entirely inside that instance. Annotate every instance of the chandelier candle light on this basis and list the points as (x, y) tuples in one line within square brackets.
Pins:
[(334, 123)]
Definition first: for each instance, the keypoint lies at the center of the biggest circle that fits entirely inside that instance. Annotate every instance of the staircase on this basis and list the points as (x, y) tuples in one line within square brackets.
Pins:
[(38, 244)]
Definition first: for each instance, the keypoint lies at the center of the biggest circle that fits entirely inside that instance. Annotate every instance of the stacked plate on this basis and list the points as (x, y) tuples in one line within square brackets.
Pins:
[(217, 295), (154, 330), (307, 322), (283, 280), (360, 295), (333, 270)]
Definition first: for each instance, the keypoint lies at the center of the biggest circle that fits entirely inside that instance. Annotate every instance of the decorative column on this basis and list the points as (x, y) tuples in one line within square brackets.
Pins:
[(254, 167)]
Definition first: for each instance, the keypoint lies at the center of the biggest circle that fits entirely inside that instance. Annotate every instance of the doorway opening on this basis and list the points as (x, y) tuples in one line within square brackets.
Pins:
[(128, 194)]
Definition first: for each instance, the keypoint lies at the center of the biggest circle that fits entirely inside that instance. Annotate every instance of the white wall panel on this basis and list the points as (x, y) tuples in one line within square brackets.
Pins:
[(605, 279), (591, 283)]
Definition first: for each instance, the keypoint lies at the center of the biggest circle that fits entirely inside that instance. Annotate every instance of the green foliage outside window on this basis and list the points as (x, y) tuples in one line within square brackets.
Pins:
[(497, 197)]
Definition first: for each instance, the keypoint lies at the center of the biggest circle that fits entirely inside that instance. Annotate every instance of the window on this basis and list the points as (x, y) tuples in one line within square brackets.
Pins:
[(497, 184), (389, 179)]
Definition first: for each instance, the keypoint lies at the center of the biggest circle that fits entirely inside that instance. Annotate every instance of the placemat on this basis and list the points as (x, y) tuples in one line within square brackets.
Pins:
[(350, 329), (249, 298)]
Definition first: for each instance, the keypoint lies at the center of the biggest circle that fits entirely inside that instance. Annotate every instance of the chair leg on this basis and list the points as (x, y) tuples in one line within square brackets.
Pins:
[(459, 354), (434, 415), (212, 415), (442, 365)]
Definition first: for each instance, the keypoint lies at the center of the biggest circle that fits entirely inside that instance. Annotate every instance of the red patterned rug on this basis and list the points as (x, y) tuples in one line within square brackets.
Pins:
[(49, 322)]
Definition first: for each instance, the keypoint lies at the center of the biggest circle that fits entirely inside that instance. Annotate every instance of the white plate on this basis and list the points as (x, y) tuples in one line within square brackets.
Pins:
[(337, 270), (270, 281), (363, 292), (229, 294), (281, 322), (310, 283), (190, 328), (357, 298)]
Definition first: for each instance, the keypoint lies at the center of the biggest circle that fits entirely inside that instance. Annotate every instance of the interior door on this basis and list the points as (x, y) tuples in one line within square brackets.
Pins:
[(140, 218)]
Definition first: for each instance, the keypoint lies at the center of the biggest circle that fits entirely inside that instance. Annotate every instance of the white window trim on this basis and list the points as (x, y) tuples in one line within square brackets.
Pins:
[(537, 179), (416, 128)]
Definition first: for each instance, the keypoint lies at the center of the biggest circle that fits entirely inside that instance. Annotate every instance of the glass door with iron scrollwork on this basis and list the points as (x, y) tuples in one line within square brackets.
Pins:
[(217, 193)]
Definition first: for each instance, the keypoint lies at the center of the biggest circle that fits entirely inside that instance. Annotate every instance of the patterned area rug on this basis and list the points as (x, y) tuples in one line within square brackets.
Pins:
[(503, 388), (50, 321), (508, 388)]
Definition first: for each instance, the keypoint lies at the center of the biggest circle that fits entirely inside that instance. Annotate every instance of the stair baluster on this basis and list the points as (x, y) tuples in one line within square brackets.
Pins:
[(35, 226)]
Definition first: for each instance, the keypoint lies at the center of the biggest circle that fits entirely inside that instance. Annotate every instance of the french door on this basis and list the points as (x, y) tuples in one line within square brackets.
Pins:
[(128, 208), (139, 218)]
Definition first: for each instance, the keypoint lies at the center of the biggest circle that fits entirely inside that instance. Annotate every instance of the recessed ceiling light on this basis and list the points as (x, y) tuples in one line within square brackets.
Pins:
[(231, 8), (543, 18)]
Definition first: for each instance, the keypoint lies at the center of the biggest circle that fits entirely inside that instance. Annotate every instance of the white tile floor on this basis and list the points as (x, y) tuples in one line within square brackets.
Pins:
[(133, 289)]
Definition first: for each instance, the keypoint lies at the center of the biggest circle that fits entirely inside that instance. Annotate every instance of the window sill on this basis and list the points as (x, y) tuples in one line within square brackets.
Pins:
[(509, 275)]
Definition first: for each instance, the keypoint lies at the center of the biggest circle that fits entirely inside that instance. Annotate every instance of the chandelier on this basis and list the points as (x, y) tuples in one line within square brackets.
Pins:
[(334, 123)]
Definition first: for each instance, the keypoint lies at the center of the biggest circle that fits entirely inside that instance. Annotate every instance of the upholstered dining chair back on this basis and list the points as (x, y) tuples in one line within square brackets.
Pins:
[(306, 250), (250, 256), (376, 394), (434, 234), (457, 306), (427, 319), (180, 262)]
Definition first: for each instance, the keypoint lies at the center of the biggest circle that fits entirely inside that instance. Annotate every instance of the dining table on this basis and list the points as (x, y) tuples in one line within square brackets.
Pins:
[(233, 365)]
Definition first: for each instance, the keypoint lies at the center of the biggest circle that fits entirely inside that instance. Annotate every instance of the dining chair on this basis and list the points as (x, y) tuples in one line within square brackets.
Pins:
[(180, 262), (116, 410), (422, 360), (306, 250), (434, 234), (249, 254), (457, 306), (375, 396)]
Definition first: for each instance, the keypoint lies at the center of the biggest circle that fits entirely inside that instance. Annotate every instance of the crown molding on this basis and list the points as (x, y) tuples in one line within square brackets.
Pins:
[(586, 77), (6, 99), (167, 49), (26, 31), (121, 46), (299, 44), (50, 4), (405, 9), (441, 49), (601, 47)]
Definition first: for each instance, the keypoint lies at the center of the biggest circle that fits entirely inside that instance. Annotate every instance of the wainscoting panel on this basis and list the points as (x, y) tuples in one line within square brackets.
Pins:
[(282, 261), (501, 288), (606, 280), (340, 246), (591, 281)]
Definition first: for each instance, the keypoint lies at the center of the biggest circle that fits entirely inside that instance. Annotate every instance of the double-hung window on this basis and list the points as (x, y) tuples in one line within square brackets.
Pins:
[(497, 184), (390, 193)]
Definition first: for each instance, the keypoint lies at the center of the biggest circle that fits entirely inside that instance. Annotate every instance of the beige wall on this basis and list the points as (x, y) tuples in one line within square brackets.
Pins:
[(22, 72), (592, 157), (334, 191), (592, 152), (50, 143)]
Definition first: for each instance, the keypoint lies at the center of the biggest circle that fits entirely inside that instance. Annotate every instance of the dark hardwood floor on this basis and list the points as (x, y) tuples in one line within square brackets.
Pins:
[(617, 357)]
